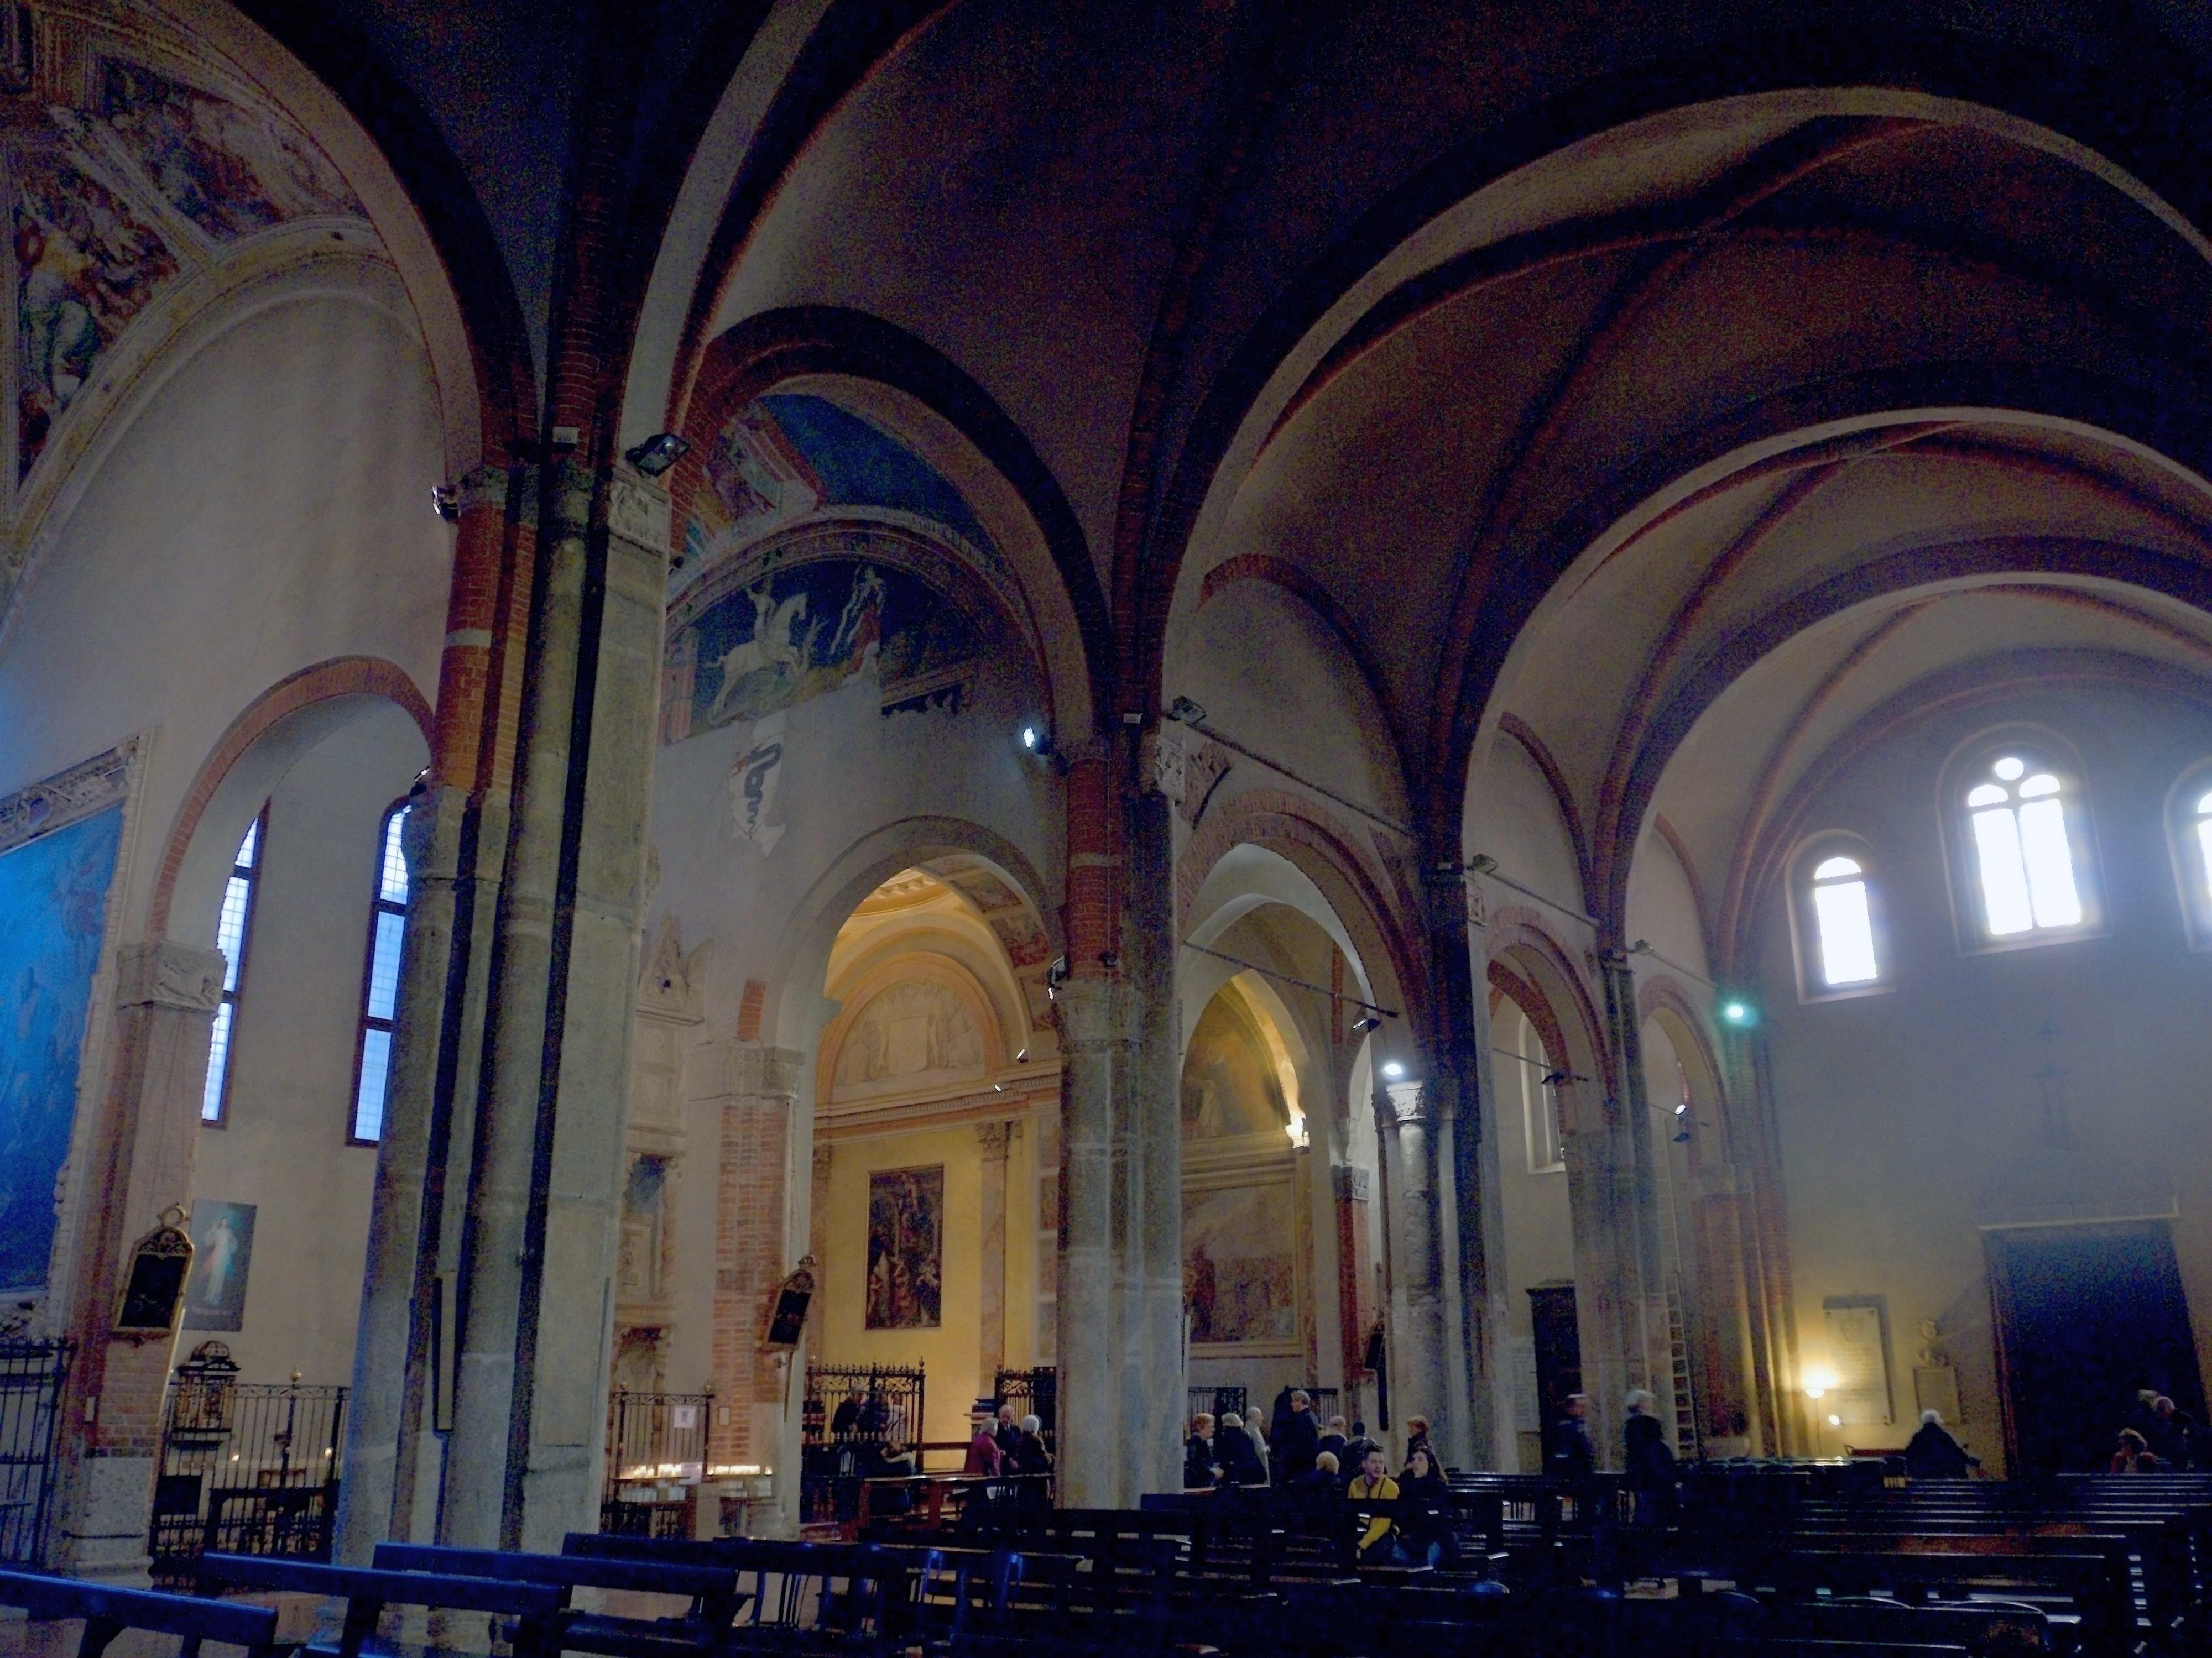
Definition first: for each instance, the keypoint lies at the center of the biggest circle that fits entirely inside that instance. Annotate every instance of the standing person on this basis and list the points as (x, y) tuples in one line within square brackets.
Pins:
[(1276, 1417), (1417, 1437), (1333, 1440), (1259, 1455), (1298, 1441), (1008, 1432), (1650, 1465), (1572, 1454), (1932, 1454), (2176, 1440), (1375, 1546), (1425, 1520), (984, 1456), (1202, 1463), (1239, 1465)]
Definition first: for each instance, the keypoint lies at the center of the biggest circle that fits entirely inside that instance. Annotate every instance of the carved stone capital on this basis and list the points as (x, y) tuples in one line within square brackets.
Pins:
[(994, 1138), (638, 512), (166, 975)]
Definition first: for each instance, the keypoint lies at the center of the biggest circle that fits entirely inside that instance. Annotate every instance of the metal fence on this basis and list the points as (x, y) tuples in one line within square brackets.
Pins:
[(1215, 1402), (658, 1453), (1032, 1392), (852, 1418), (31, 1377), (247, 1467)]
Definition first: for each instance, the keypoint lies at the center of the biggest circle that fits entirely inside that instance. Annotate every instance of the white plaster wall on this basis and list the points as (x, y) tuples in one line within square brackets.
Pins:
[(1513, 815), (1905, 1117), (264, 509), (1662, 908), (283, 1146)]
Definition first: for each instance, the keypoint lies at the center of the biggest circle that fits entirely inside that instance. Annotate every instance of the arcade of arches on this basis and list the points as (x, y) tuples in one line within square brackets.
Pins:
[(1448, 704)]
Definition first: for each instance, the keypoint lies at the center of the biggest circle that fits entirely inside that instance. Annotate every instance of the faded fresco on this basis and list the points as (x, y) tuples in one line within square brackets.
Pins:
[(1229, 1082), (906, 1248), (222, 1252), (1239, 1280), (909, 1036), (804, 630), (787, 455), (53, 899), (118, 190)]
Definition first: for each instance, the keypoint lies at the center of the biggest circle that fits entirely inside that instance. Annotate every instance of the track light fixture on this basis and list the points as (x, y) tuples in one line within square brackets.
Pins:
[(1365, 1023), (657, 453), (446, 502)]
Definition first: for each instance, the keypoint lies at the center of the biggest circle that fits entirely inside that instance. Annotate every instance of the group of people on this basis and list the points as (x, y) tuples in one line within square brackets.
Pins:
[(2159, 1437), (1005, 1446)]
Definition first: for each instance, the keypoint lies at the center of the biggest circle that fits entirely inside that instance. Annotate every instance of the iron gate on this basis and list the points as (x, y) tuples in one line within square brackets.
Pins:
[(657, 1454), (854, 1417), (1033, 1393), (31, 1377), (247, 1467)]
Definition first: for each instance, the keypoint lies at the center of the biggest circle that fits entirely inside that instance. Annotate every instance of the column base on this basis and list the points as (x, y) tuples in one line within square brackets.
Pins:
[(105, 1540)]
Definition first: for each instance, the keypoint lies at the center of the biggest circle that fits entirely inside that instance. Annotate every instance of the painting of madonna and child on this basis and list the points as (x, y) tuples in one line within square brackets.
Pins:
[(905, 1247)]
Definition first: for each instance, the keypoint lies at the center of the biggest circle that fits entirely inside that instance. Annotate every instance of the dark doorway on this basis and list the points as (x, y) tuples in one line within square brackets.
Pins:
[(2085, 1317), (1558, 1355)]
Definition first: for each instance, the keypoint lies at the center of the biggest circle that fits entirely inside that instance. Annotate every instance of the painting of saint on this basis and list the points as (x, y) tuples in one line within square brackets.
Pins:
[(1240, 1283), (222, 1250), (53, 898), (905, 1247)]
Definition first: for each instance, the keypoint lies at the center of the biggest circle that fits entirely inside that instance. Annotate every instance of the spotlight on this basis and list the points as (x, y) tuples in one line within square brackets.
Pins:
[(1835, 1422), (1740, 1014), (1022, 1058), (1681, 1107), (1393, 1070), (657, 453), (1682, 1138), (446, 502), (1369, 1021), (1184, 709), (1029, 738), (998, 1088), (1482, 863), (1641, 947)]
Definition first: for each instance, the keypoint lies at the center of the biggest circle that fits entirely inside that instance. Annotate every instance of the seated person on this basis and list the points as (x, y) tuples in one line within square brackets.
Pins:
[(1378, 1540), (2134, 1454), (1932, 1454), (1333, 1439), (1321, 1479), (1426, 1532)]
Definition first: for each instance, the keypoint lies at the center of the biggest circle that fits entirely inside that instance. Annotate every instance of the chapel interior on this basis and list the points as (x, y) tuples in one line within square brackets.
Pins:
[(727, 723)]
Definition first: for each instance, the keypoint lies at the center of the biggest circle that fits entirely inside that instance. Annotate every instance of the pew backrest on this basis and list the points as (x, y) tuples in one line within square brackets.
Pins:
[(108, 1611)]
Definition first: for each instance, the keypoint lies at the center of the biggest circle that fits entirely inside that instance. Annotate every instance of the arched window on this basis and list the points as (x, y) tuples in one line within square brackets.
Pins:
[(1843, 921), (2024, 850), (379, 989), (2189, 825), (232, 930)]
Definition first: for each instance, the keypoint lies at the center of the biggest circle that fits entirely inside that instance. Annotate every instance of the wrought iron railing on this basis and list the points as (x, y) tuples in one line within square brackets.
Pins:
[(1032, 1392), (659, 1448), (856, 1420), (31, 1377), (247, 1467)]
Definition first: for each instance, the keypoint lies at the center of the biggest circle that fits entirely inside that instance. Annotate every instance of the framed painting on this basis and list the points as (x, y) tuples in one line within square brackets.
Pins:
[(906, 1248), (222, 1251)]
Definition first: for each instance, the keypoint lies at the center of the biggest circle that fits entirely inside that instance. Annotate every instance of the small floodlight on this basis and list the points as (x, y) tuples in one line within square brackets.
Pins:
[(446, 502), (1393, 1070), (1365, 1024), (1029, 738), (1742, 1014), (657, 453)]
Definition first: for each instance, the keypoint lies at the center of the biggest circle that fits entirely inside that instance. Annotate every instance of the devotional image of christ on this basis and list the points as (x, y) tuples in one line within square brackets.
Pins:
[(906, 1248)]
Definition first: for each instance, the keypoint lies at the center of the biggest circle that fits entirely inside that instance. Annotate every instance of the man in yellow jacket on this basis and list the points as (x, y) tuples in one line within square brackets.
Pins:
[(1374, 1481)]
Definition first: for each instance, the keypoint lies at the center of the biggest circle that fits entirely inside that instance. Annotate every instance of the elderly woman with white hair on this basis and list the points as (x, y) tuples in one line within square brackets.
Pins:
[(1650, 1469), (1932, 1454)]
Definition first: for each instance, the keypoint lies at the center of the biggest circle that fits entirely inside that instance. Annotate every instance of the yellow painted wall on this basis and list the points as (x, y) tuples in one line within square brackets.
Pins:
[(951, 1354)]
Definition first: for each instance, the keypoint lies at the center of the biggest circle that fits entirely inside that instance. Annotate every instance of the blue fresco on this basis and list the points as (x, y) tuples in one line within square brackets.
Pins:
[(53, 900)]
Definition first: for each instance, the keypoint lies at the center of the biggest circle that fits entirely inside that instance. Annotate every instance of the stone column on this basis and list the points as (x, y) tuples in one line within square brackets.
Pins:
[(1153, 1366), (165, 1000), (1093, 1047), (1405, 1131), (1720, 1243), (1636, 1196), (993, 1138), (755, 1088)]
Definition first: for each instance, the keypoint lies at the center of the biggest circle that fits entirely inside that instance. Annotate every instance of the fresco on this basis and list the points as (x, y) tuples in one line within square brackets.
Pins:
[(909, 1035), (53, 898), (1229, 1082), (222, 1253), (121, 181), (905, 1247), (802, 630), (1239, 1281), (786, 455)]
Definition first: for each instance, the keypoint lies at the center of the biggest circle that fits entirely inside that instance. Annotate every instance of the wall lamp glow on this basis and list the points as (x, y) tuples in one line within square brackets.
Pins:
[(1393, 1070), (657, 453)]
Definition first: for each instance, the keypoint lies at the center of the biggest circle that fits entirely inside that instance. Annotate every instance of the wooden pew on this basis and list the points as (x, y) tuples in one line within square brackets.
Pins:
[(801, 1597), (531, 1606), (108, 1612), (705, 1628)]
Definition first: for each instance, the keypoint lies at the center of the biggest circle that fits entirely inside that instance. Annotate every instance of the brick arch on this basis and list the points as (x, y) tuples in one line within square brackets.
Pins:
[(1323, 848), (340, 676), (1515, 927)]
